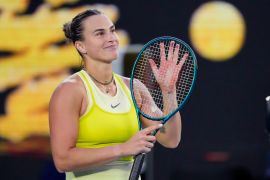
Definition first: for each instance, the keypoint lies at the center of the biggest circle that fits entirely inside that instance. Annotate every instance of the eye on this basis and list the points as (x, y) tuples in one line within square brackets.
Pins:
[(101, 33)]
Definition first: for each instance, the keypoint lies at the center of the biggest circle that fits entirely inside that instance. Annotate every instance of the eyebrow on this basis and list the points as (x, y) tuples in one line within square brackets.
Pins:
[(97, 30)]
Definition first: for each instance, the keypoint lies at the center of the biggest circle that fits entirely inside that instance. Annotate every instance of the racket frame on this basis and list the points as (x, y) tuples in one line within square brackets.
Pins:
[(159, 39), (139, 158)]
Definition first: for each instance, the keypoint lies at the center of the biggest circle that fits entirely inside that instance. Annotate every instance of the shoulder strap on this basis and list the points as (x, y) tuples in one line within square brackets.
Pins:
[(87, 85), (123, 86)]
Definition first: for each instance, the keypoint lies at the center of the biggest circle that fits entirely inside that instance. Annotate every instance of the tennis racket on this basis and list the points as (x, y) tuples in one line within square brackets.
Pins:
[(164, 65)]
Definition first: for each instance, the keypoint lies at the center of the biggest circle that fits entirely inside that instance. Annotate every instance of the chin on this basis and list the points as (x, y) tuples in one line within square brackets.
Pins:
[(110, 59), (109, 56), (113, 56)]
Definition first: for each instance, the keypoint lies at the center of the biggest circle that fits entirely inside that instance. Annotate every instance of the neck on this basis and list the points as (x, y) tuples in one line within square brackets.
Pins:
[(99, 71)]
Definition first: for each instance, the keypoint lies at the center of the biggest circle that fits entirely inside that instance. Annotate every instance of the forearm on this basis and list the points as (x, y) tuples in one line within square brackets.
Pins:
[(83, 158), (170, 134)]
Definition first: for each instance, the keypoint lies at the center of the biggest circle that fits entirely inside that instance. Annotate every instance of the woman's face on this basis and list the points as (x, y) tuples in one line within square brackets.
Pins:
[(100, 39)]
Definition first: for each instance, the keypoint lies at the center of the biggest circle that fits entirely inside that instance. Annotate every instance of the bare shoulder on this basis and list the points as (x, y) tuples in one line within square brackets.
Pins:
[(70, 87)]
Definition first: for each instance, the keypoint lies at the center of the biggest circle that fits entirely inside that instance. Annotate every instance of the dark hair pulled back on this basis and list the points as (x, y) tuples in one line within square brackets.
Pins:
[(73, 30)]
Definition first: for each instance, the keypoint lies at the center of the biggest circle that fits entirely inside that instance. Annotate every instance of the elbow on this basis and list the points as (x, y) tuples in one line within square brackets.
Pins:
[(61, 164), (172, 144)]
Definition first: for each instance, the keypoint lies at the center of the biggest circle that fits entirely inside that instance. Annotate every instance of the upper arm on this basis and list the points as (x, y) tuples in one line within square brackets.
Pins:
[(64, 111), (144, 101), (146, 104)]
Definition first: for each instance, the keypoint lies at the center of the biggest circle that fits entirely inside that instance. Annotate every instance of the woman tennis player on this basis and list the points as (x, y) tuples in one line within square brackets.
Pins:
[(94, 129)]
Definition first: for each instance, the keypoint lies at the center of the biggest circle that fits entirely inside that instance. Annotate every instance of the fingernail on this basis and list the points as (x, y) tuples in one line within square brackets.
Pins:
[(160, 125)]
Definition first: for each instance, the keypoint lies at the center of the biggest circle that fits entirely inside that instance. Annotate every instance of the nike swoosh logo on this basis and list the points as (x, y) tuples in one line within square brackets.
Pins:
[(114, 106)]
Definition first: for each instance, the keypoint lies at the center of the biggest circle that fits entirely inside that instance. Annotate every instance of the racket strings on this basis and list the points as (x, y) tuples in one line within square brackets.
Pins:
[(147, 81)]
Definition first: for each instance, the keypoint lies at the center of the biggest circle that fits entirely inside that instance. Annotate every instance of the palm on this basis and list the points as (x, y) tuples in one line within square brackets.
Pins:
[(168, 71)]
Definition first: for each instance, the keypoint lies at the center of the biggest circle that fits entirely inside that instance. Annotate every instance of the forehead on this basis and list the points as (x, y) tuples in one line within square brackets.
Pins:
[(99, 21)]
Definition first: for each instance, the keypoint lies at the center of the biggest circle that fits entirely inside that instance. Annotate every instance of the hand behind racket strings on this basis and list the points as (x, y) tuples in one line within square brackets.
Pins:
[(166, 76), (162, 78)]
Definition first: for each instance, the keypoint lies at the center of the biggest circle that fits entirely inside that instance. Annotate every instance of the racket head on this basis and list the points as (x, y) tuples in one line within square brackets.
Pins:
[(142, 74)]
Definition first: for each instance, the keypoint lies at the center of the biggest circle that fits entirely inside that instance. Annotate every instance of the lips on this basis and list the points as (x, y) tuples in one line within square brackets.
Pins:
[(112, 47)]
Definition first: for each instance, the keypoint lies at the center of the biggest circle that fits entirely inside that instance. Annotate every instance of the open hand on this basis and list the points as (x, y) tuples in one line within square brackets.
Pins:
[(168, 71)]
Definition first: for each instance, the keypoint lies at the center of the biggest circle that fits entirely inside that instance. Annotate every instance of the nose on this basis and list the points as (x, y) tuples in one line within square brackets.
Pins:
[(112, 37)]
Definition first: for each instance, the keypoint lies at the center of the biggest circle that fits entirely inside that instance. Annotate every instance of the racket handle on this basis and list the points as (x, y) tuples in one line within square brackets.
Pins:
[(137, 166)]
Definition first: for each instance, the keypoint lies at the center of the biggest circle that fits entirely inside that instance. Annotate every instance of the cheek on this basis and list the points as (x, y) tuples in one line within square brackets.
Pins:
[(93, 48), (95, 53)]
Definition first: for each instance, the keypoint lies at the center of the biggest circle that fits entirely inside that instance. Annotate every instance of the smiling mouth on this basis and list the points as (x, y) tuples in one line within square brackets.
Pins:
[(112, 47)]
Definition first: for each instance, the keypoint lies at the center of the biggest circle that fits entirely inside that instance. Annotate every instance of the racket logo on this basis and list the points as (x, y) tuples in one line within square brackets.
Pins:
[(114, 106)]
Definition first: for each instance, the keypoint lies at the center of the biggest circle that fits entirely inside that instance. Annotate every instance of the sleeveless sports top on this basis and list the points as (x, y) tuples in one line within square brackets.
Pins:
[(107, 120)]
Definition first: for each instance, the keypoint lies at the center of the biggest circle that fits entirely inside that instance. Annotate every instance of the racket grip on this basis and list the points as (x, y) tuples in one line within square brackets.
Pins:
[(137, 166)]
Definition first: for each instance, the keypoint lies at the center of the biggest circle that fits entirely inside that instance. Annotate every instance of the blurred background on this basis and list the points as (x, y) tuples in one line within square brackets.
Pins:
[(224, 122)]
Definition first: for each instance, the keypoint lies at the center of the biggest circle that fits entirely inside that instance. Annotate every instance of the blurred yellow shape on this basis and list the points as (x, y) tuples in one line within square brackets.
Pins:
[(13, 6), (18, 69), (57, 3), (35, 57), (27, 109), (217, 30), (40, 29), (23, 67), (123, 38)]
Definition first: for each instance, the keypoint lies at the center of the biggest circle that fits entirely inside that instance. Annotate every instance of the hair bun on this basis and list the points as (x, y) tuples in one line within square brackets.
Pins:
[(67, 31)]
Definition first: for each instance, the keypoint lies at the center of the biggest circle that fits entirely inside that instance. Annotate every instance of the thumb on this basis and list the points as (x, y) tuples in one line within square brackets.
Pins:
[(150, 129), (153, 67)]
